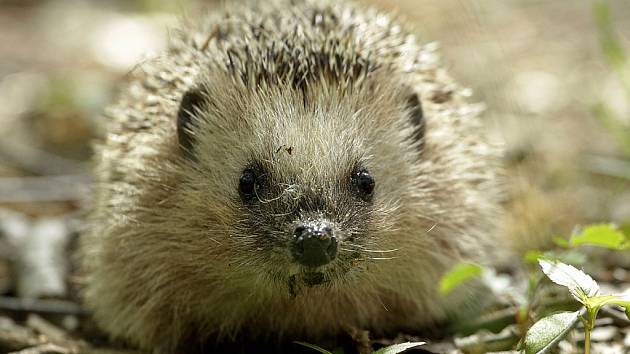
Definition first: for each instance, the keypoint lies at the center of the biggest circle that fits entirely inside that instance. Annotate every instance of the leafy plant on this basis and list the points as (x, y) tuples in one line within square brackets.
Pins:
[(617, 58), (547, 332)]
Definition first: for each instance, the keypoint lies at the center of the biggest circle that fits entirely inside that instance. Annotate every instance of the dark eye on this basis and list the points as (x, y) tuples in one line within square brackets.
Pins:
[(364, 182), (248, 184)]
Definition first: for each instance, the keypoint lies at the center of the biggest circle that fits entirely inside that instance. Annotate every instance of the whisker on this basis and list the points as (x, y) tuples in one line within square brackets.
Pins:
[(380, 251), (363, 249)]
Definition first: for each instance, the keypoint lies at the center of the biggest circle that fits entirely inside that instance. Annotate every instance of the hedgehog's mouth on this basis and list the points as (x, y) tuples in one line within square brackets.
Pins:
[(299, 278), (313, 278), (301, 281)]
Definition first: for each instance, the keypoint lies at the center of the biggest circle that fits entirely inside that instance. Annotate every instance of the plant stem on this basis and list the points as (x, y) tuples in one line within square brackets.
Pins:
[(588, 323), (587, 340)]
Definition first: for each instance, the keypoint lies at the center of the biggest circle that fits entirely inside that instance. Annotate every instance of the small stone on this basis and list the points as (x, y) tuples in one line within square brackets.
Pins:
[(620, 274)]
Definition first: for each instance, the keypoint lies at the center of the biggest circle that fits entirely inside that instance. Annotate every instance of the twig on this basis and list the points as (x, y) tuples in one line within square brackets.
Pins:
[(44, 189), (609, 166), (58, 307), (15, 337), (50, 331), (38, 161), (48, 348), (485, 341)]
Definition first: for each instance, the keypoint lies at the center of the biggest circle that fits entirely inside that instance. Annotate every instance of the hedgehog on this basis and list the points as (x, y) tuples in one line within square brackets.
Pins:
[(286, 170)]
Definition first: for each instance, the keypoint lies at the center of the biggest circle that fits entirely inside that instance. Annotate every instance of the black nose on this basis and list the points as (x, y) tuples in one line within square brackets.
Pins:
[(314, 244)]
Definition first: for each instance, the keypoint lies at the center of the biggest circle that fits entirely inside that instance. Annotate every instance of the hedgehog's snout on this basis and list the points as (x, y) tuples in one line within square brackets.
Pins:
[(314, 243)]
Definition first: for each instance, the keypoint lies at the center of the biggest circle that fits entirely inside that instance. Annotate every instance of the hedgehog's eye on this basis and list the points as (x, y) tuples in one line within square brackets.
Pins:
[(248, 185), (364, 183)]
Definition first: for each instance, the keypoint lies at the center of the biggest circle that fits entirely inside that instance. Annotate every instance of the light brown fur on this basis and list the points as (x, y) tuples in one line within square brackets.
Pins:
[(167, 256)]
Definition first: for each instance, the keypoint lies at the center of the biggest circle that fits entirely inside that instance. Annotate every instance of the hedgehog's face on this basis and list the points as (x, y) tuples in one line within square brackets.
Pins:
[(304, 176), (312, 227), (309, 219)]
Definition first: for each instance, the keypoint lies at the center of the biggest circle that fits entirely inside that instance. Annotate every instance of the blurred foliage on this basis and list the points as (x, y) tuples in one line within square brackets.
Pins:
[(617, 58)]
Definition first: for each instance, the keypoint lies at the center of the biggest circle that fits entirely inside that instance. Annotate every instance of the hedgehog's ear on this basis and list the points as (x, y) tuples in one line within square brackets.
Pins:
[(189, 107), (416, 114)]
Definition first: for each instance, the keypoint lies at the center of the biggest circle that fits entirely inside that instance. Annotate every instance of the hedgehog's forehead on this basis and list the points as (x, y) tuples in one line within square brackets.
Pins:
[(318, 132), (308, 144)]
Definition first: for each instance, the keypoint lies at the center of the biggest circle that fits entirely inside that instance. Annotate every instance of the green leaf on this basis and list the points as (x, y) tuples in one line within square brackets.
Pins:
[(602, 235), (458, 275), (611, 45), (580, 284), (561, 242), (619, 302), (622, 300), (314, 347), (628, 312), (595, 303), (533, 256), (601, 300), (545, 334), (398, 348)]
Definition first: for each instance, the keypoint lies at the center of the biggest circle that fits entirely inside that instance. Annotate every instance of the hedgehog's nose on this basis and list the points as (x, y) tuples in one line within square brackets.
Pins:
[(314, 244)]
